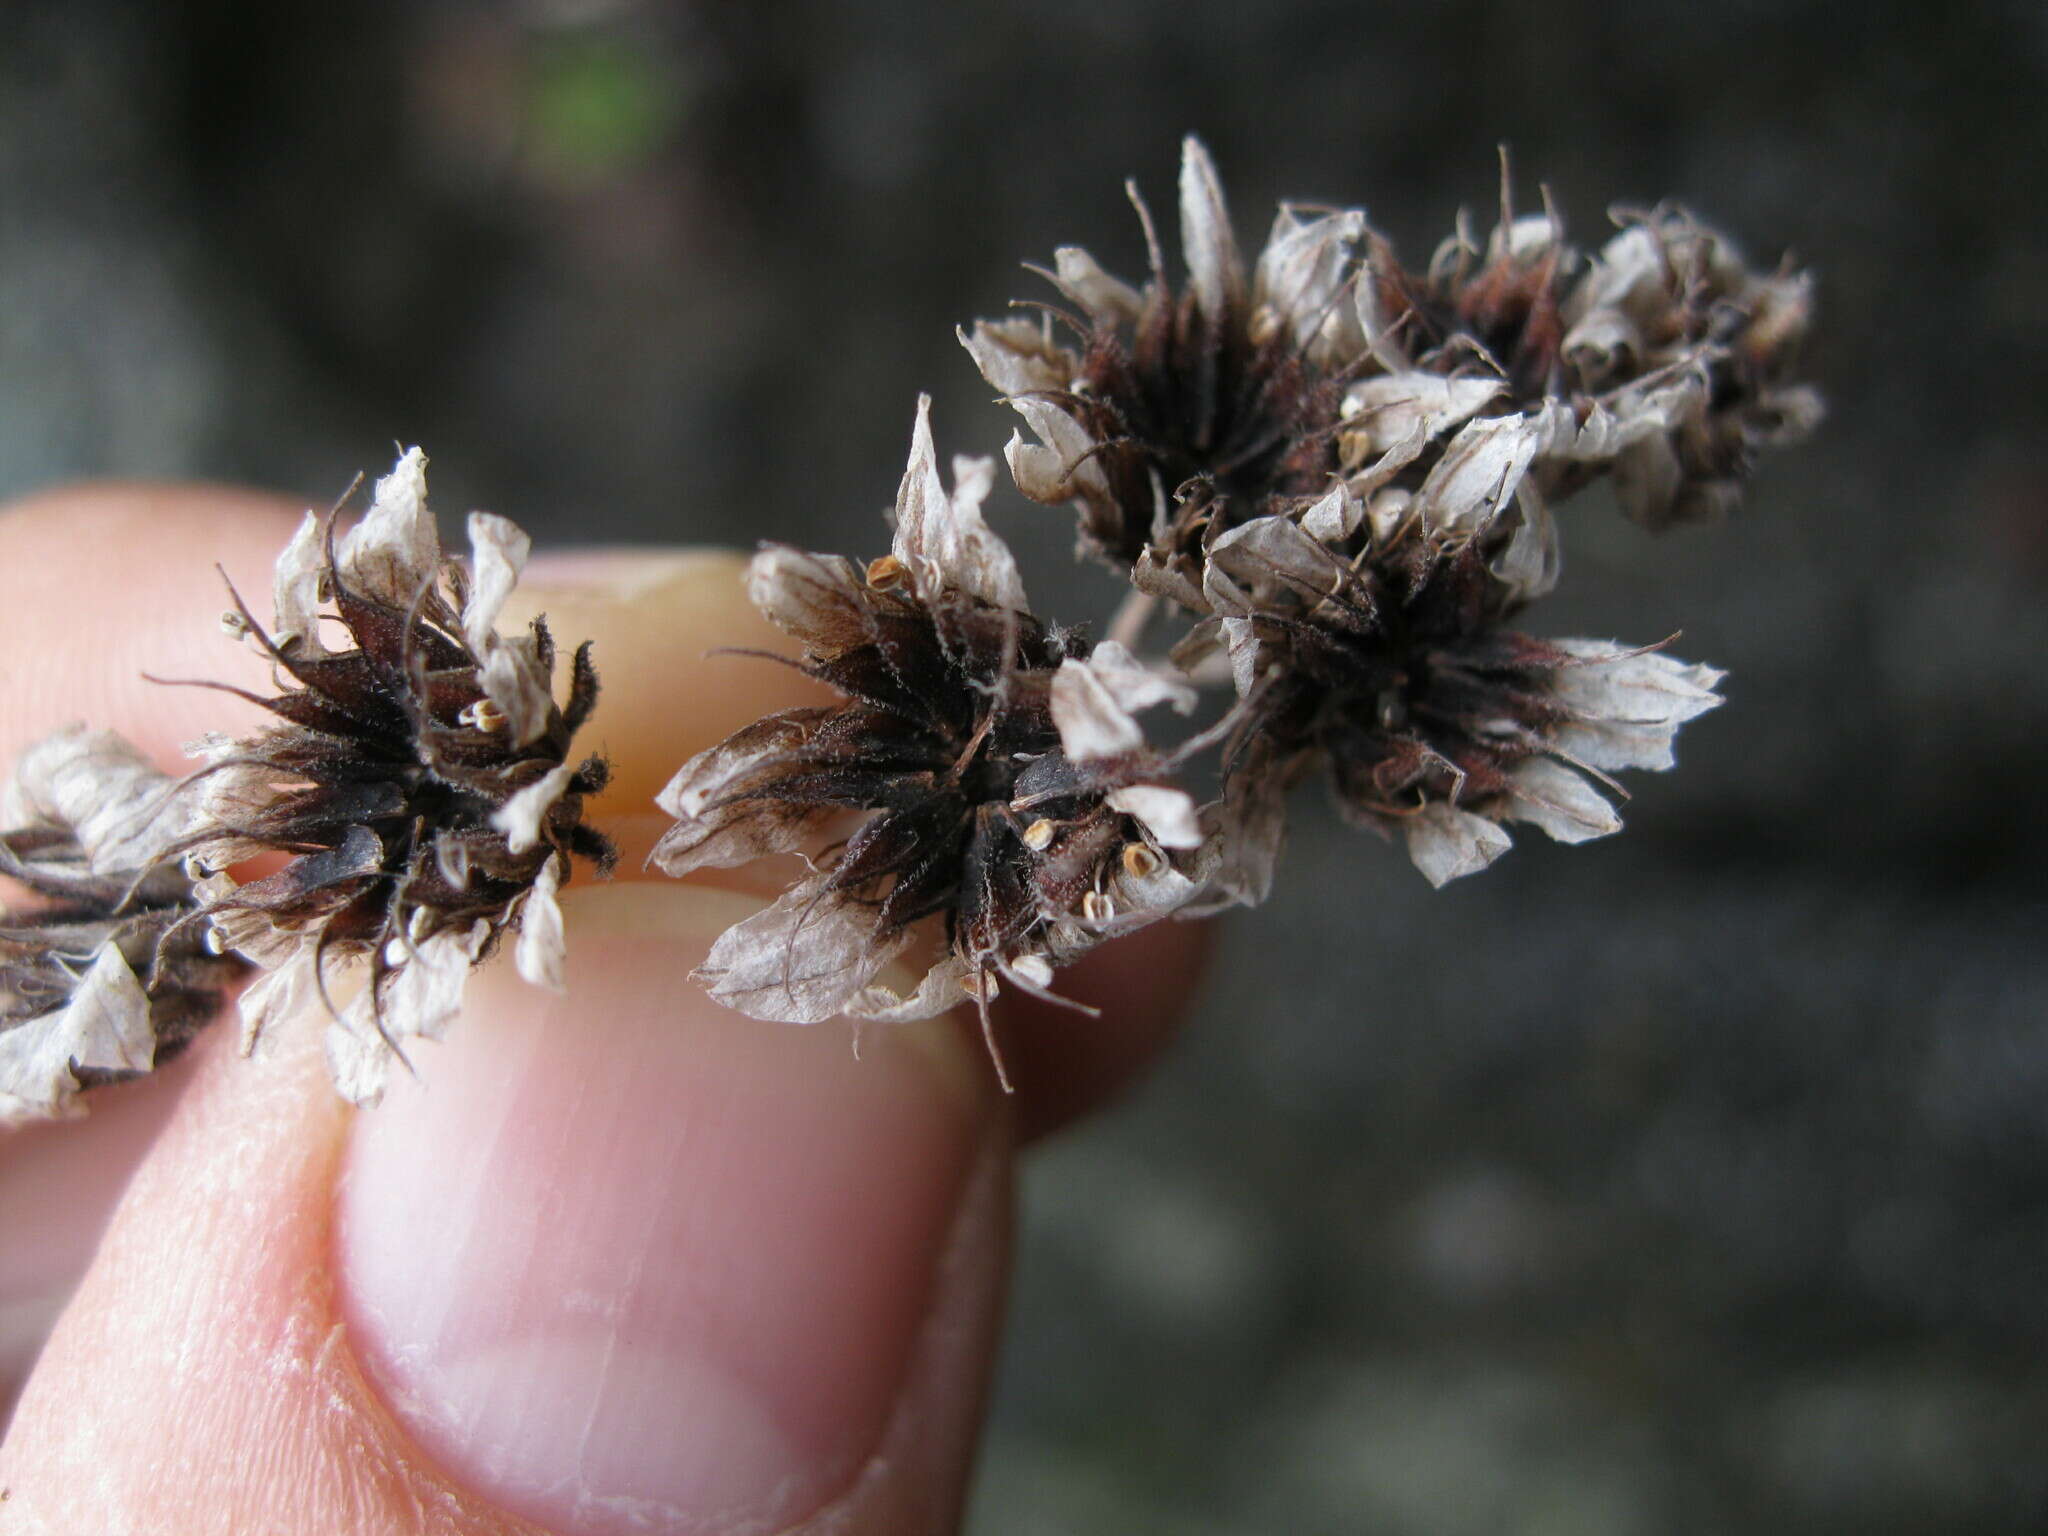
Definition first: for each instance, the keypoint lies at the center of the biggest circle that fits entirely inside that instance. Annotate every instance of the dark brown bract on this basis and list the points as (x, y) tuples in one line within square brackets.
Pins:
[(1500, 312)]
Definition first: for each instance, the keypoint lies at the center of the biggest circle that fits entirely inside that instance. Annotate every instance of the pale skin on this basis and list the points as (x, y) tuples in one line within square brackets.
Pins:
[(238, 1350)]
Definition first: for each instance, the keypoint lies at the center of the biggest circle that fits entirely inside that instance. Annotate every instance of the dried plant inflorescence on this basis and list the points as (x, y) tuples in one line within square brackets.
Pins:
[(1393, 675), (1663, 361), (1007, 790), (1175, 417), (1344, 474), (1341, 477), (101, 976), (1363, 571), (416, 784), (418, 778)]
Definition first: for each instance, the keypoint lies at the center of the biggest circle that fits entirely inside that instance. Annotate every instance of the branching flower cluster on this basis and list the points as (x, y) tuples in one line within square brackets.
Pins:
[(1345, 471), (1333, 476)]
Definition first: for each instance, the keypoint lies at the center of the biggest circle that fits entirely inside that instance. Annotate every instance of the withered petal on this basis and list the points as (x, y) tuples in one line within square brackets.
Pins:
[(941, 538), (1447, 843), (104, 1027), (804, 959)]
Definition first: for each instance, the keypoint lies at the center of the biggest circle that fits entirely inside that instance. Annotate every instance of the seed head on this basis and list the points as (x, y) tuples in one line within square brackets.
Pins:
[(1520, 367), (418, 777), (1175, 416), (1394, 676), (996, 771), (1663, 360)]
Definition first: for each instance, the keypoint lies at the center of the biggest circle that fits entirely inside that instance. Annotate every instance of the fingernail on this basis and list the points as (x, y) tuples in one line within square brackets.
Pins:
[(625, 570), (657, 620), (621, 1260)]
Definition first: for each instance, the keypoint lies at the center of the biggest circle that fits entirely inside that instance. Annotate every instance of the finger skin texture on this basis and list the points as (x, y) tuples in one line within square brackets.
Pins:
[(204, 1379), (199, 1380), (58, 1186), (103, 583), (99, 584), (665, 626), (1067, 1064), (630, 1261)]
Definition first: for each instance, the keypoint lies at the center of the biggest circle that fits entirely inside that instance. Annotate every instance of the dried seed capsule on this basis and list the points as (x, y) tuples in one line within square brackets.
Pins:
[(1034, 970), (1199, 406), (1515, 368), (1429, 716)]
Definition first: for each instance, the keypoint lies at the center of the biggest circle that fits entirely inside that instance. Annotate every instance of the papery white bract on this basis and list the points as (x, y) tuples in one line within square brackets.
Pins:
[(105, 971)]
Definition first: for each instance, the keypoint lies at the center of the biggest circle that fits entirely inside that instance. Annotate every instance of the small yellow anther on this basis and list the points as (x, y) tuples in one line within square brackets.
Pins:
[(484, 715), (1140, 861)]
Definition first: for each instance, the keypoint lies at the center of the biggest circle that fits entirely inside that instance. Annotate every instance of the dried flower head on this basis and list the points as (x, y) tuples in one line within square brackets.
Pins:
[(1176, 415), (1663, 361), (1393, 674), (1006, 789), (1343, 473), (418, 778), (101, 978)]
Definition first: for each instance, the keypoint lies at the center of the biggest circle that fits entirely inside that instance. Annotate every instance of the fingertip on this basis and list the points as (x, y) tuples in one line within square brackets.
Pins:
[(1068, 1064), (749, 1208), (59, 1184), (101, 584), (602, 1259)]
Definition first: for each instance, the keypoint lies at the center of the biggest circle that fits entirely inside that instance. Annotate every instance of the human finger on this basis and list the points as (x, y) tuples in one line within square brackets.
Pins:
[(616, 1261)]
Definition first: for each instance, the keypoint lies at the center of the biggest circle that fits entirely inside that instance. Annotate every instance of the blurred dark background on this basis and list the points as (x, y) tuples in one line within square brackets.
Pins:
[(1696, 1181)]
